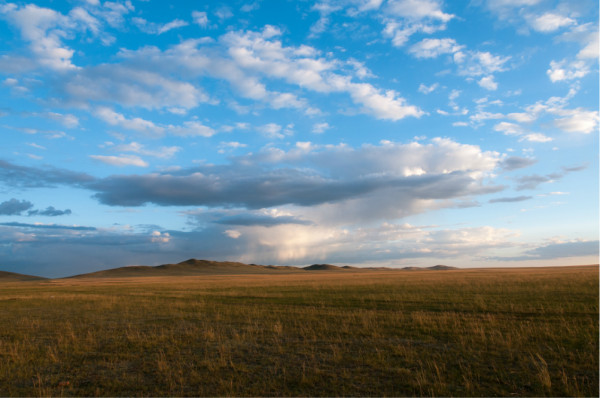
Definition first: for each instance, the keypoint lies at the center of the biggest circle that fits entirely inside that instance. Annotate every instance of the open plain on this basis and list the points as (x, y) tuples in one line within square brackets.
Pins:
[(479, 332)]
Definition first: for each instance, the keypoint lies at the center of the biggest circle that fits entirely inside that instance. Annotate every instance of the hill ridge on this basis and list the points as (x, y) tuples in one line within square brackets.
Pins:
[(6, 276)]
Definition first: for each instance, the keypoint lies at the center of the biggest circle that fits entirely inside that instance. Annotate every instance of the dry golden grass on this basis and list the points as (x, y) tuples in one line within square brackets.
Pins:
[(502, 332)]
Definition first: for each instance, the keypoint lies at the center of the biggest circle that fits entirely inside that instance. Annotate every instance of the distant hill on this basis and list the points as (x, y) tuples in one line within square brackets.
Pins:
[(438, 267), (441, 267), (323, 267), (193, 267), (189, 267), (6, 276)]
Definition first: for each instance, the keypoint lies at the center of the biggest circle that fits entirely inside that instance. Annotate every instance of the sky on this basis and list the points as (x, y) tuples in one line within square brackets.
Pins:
[(352, 132)]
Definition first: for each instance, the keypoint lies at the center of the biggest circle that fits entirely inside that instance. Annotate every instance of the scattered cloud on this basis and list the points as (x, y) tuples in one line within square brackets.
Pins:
[(157, 29), (577, 248), (121, 161), (200, 18), (510, 199), (533, 181), (515, 162), (14, 207), (50, 211), (550, 22), (432, 48), (565, 70), (488, 83), (428, 89), (319, 128)]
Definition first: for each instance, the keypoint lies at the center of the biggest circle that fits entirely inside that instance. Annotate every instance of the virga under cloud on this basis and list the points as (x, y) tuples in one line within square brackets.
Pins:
[(372, 132)]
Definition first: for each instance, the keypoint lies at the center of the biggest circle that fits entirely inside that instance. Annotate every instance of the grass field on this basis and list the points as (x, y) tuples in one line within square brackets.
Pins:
[(525, 332)]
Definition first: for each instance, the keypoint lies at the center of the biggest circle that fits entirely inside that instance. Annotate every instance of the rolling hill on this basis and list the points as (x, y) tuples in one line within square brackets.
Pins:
[(190, 267), (15, 277)]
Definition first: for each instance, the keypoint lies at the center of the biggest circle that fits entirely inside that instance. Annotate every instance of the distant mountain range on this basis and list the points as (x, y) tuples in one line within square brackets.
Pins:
[(193, 267)]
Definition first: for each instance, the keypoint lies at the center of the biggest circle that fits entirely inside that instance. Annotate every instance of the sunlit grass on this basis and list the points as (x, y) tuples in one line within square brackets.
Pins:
[(491, 333)]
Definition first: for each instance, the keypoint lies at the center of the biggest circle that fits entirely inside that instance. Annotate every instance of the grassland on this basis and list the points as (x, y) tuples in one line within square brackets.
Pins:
[(527, 332)]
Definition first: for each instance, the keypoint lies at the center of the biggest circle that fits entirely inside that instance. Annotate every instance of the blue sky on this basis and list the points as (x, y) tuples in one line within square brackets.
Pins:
[(364, 132)]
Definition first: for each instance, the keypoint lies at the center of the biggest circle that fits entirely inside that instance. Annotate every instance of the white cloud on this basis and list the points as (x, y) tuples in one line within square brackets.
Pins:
[(488, 83), (187, 129), (67, 120), (590, 51), (387, 105), (368, 5), (44, 29), (113, 13), (319, 128), (162, 152), (145, 85), (271, 130), (565, 70), (577, 120), (418, 10), (177, 23), (223, 13), (427, 89), (137, 124), (509, 128), (432, 48), (536, 137), (158, 237), (232, 233), (549, 22), (121, 161), (200, 18), (191, 129), (82, 17), (157, 29), (303, 67), (477, 63), (522, 117)]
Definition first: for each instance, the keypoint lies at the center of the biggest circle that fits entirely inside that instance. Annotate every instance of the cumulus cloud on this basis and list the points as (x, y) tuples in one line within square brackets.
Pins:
[(136, 147), (577, 120), (404, 18), (304, 67), (187, 129), (488, 83), (574, 120), (536, 137), (44, 29), (191, 129), (14, 207), (565, 70), (319, 128), (549, 22), (137, 124), (477, 63), (432, 48), (200, 18), (440, 170), (130, 86)]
